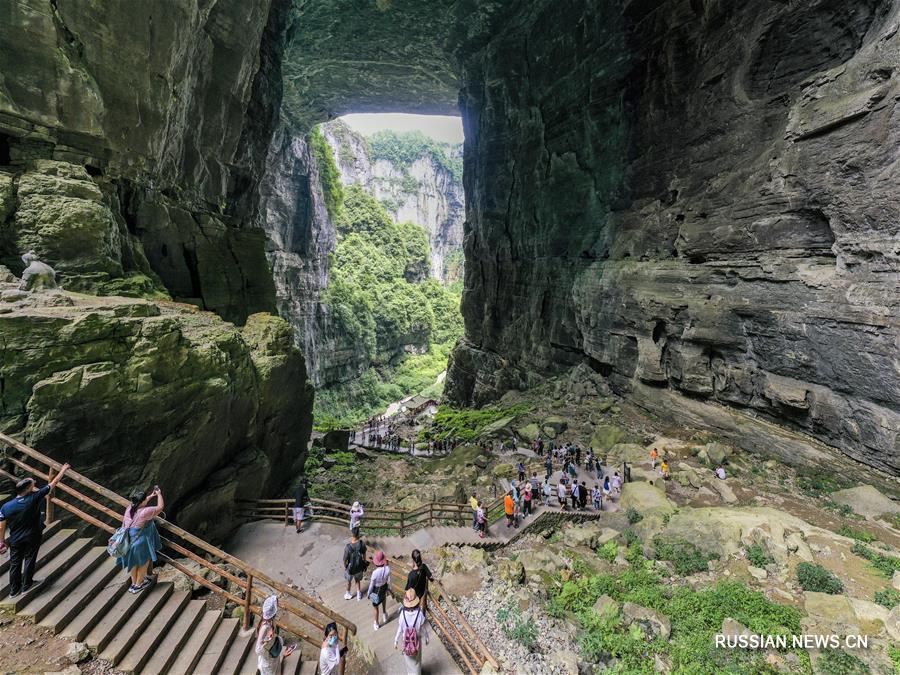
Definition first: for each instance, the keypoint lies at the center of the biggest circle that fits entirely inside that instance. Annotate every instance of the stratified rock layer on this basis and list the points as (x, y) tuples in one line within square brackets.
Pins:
[(134, 394), (697, 197)]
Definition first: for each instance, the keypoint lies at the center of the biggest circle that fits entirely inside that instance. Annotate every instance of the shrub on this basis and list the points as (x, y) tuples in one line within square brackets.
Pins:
[(516, 627), (633, 516), (888, 597), (686, 557), (758, 556), (609, 551), (818, 484), (839, 662), (402, 149), (886, 564), (816, 578), (859, 535), (329, 175)]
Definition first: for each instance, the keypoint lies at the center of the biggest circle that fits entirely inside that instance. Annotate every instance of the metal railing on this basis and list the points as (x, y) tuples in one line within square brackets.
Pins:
[(245, 586)]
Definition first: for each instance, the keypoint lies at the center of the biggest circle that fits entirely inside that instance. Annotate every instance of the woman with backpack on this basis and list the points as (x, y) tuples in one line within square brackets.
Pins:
[(143, 537), (419, 577), (411, 630), (379, 585), (270, 648)]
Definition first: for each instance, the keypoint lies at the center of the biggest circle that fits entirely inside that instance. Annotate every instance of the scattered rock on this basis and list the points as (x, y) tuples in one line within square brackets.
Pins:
[(591, 535), (511, 571), (718, 452), (567, 661), (481, 461), (757, 573), (14, 295), (529, 432), (502, 470), (724, 490), (652, 622), (606, 606), (867, 501), (895, 580), (541, 560), (732, 628), (686, 476), (78, 652), (605, 436), (558, 424)]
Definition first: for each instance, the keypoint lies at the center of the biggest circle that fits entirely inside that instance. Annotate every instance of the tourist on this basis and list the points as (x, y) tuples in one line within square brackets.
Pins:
[(481, 517), (526, 500), (301, 498), (332, 653), (473, 503), (561, 492), (616, 483), (720, 472), (355, 563), (356, 514), (606, 488), (577, 455), (22, 518), (599, 468), (270, 648), (574, 495), (143, 536), (411, 632), (582, 496), (520, 467), (546, 493), (548, 466), (654, 455), (535, 481), (664, 470), (626, 473), (573, 471), (509, 507), (419, 578), (595, 498), (379, 585)]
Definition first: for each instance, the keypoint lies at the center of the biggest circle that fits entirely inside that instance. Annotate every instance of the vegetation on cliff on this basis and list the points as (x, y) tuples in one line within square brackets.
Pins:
[(402, 149), (329, 175)]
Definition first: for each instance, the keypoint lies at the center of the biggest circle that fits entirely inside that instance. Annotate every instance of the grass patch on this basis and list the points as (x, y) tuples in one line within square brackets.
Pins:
[(633, 516), (819, 484), (608, 551), (886, 564), (467, 424), (818, 579), (686, 557), (859, 535), (521, 629), (696, 616), (758, 556), (839, 662), (888, 597)]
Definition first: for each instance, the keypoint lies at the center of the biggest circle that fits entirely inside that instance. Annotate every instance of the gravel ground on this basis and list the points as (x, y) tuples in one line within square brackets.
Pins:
[(553, 636)]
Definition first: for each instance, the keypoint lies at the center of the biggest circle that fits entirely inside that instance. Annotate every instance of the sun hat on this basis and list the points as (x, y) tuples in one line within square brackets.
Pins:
[(355, 505), (379, 558), (411, 600), (270, 607)]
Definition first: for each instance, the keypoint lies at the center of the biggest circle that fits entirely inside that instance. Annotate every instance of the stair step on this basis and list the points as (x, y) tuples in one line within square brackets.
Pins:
[(165, 653), (308, 668), (291, 665), (192, 651), (57, 590), (70, 606), (249, 665), (238, 653), (108, 623), (217, 647), (54, 539), (101, 606), (130, 632), (139, 651), (49, 572)]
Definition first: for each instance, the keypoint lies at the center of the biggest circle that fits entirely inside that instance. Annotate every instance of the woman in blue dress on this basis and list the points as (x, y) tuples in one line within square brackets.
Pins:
[(144, 537)]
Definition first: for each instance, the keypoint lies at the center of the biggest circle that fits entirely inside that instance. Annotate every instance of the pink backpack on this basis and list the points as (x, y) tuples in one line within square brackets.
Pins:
[(411, 636)]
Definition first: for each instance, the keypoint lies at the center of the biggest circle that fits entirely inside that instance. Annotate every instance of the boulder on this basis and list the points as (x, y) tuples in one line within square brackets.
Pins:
[(337, 439), (7, 277), (798, 547), (895, 580), (558, 424), (541, 561), (503, 470), (529, 432), (606, 606), (549, 432), (718, 452), (867, 501), (481, 461), (498, 425), (566, 661), (627, 452), (828, 613), (644, 498), (605, 436), (591, 535), (893, 623), (724, 490), (686, 475), (732, 628), (78, 652), (510, 571), (652, 622), (757, 573), (14, 295)]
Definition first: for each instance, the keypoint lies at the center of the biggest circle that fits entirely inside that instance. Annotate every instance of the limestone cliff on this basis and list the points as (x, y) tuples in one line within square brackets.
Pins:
[(136, 393), (694, 197), (423, 191)]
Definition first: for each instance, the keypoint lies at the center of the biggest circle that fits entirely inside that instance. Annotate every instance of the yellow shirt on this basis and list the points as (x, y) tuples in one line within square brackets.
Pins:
[(473, 503)]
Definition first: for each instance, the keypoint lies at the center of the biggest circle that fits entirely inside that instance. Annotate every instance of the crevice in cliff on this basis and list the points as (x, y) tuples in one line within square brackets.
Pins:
[(71, 44)]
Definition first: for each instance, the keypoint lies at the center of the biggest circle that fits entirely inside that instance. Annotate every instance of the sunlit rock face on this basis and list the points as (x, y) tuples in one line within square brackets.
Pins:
[(695, 197)]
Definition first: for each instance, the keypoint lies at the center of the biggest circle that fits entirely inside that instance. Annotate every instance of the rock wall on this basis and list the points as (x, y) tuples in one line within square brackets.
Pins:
[(423, 192), (694, 197), (168, 110), (133, 139), (134, 393)]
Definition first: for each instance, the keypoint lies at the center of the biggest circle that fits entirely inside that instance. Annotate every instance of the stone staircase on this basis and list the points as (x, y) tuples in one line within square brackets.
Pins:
[(84, 598)]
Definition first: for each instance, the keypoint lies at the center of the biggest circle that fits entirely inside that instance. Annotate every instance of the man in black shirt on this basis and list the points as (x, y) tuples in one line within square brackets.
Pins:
[(22, 517), (301, 499)]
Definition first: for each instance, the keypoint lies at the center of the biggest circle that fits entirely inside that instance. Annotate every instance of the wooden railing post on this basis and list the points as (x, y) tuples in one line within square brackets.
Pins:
[(431, 513), (286, 511), (248, 599), (402, 518), (49, 515)]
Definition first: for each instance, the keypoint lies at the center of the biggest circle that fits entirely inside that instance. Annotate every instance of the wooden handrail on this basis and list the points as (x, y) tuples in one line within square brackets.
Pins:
[(306, 610)]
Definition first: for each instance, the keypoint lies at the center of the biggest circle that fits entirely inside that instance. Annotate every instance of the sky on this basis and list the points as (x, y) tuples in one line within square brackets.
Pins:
[(445, 128)]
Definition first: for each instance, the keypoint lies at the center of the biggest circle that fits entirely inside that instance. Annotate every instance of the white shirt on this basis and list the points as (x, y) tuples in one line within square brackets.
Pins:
[(330, 659)]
